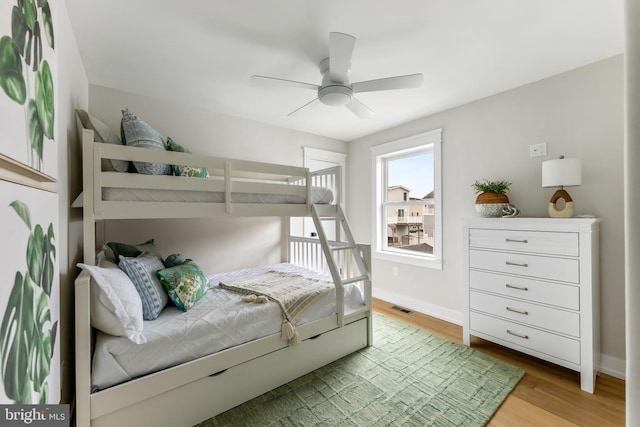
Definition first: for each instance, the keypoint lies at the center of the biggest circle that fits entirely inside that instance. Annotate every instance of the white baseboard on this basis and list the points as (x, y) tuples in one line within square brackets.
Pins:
[(433, 310), (613, 366), (608, 364)]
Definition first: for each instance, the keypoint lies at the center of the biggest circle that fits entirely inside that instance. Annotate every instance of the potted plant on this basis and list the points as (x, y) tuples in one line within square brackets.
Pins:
[(492, 197)]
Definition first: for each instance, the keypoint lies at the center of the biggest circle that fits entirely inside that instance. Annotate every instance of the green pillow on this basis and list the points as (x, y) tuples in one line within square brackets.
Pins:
[(180, 170), (129, 250), (185, 284)]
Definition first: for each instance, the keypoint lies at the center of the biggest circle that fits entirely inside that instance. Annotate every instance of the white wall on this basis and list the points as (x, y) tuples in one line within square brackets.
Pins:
[(221, 244), (579, 114), (72, 92)]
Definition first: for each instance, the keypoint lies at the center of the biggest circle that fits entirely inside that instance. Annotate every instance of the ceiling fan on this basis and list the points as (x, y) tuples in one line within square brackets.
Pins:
[(336, 89)]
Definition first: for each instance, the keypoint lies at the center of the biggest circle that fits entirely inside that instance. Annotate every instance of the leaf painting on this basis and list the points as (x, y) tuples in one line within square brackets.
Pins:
[(27, 334), (26, 76)]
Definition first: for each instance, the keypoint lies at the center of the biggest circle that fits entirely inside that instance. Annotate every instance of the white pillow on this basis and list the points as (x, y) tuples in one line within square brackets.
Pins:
[(102, 133), (116, 307)]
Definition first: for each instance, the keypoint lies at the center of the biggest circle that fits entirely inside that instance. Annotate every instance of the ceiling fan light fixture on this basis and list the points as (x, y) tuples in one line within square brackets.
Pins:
[(335, 95)]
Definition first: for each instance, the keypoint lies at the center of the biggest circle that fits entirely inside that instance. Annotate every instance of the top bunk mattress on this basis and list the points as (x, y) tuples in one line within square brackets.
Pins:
[(220, 320), (319, 195)]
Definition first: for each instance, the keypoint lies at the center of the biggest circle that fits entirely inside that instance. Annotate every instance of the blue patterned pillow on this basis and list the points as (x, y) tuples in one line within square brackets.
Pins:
[(142, 272), (180, 170), (185, 284), (137, 133)]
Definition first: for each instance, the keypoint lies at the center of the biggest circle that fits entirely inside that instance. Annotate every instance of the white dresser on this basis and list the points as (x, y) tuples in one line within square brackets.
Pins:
[(532, 284)]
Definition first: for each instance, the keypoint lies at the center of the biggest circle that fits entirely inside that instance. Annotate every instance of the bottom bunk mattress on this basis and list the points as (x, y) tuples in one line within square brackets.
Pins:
[(220, 320)]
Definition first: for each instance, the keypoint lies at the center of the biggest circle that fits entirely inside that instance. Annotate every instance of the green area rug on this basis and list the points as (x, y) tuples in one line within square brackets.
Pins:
[(409, 377)]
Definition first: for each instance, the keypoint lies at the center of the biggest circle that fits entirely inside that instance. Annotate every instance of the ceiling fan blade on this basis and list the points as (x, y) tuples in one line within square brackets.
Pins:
[(389, 83), (308, 104), (359, 109), (286, 82), (340, 50)]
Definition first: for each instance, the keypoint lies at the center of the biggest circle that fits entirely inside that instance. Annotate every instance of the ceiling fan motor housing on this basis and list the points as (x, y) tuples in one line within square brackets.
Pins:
[(335, 94)]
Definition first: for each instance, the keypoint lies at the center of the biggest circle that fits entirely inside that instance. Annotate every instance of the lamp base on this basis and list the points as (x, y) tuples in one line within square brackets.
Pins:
[(568, 210)]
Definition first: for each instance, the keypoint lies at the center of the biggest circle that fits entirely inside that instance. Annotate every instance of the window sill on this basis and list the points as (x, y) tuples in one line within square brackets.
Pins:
[(419, 261)]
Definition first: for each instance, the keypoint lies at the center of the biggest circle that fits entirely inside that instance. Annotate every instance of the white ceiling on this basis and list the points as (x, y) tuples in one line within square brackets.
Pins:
[(203, 52)]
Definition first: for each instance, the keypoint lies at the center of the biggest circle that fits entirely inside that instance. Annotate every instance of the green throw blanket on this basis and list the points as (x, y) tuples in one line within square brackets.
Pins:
[(293, 292)]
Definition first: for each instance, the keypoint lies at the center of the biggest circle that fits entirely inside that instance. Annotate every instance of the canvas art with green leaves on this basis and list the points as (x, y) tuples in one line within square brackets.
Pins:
[(27, 334), (29, 294), (27, 80), (29, 285)]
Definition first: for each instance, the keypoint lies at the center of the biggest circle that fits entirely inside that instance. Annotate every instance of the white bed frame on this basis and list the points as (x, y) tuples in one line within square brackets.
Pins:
[(187, 394)]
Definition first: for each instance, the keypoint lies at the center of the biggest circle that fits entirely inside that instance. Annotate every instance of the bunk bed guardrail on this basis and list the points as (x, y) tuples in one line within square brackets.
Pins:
[(226, 176)]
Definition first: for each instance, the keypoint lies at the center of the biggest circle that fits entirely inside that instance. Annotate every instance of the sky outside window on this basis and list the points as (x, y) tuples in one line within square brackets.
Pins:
[(414, 172)]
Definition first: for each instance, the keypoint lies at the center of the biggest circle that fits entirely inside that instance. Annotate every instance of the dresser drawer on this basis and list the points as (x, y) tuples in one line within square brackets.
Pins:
[(555, 294), (541, 242), (553, 319), (559, 269), (534, 339)]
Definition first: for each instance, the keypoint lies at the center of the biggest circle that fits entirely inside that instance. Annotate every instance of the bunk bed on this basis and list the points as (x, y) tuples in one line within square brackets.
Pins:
[(202, 387)]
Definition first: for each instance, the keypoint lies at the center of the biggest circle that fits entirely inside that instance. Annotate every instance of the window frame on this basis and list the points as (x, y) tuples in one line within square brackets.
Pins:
[(415, 144)]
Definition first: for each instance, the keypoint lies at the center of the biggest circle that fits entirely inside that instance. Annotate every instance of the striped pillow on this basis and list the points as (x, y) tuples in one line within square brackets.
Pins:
[(142, 272)]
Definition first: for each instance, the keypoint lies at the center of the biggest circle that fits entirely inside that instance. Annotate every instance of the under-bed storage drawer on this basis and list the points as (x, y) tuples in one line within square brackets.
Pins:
[(196, 401)]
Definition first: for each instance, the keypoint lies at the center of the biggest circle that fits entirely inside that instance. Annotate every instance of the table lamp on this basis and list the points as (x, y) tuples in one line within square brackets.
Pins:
[(561, 173)]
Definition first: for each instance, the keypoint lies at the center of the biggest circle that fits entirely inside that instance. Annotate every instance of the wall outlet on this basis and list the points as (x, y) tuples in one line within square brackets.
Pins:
[(395, 271), (537, 150)]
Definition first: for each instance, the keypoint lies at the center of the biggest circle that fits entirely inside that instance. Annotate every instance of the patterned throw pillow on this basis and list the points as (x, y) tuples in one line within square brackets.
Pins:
[(142, 272), (180, 170), (185, 284), (137, 133)]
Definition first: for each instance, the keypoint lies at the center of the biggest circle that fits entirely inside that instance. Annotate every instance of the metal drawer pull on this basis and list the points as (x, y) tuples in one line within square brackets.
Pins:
[(526, 337), (517, 264), (516, 241), (520, 288), (526, 313)]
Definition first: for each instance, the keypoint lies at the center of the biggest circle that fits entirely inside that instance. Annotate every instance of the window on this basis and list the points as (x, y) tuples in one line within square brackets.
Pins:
[(408, 222)]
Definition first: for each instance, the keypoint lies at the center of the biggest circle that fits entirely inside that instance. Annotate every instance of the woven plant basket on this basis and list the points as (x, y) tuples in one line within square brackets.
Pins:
[(490, 205)]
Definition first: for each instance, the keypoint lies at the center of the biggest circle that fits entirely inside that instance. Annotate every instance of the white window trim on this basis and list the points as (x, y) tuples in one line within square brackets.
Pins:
[(406, 145)]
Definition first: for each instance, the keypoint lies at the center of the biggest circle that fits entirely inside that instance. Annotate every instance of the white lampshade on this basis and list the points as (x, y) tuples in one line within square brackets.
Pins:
[(561, 172)]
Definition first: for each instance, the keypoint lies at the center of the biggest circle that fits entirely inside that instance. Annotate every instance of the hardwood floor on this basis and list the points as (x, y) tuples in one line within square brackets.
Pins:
[(548, 395)]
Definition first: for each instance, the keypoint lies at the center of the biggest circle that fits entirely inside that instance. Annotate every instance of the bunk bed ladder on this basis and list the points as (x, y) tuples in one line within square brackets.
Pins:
[(332, 250)]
